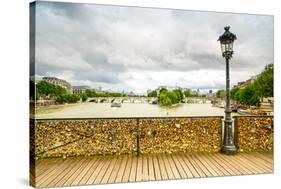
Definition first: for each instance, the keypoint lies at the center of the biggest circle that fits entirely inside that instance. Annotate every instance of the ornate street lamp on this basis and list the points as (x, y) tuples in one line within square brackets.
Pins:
[(226, 41)]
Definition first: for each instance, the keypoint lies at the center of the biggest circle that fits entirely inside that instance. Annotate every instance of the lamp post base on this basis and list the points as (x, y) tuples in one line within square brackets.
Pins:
[(229, 150)]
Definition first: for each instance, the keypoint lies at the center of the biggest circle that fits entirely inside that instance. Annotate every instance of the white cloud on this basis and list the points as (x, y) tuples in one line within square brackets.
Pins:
[(134, 49)]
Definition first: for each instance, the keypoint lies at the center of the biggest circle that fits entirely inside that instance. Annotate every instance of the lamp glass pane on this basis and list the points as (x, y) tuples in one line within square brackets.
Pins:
[(222, 47), (231, 47), (226, 47)]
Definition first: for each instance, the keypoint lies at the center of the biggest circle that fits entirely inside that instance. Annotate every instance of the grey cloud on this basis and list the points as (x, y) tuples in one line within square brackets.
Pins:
[(101, 44)]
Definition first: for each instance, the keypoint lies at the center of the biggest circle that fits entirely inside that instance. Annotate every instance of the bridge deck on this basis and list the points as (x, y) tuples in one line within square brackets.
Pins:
[(116, 169)]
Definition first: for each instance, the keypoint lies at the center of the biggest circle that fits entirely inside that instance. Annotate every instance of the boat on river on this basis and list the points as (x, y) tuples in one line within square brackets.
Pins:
[(116, 104), (244, 112)]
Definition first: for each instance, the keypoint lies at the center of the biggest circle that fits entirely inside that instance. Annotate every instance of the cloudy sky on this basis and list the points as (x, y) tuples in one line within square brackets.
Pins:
[(135, 49)]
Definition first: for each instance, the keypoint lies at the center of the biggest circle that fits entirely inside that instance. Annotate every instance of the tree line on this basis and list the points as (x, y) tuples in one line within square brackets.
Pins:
[(48, 90), (186, 93), (253, 93), (93, 93), (168, 98)]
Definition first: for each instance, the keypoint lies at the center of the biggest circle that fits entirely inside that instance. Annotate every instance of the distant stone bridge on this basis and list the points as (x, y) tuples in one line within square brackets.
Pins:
[(191, 100), (122, 99), (197, 100)]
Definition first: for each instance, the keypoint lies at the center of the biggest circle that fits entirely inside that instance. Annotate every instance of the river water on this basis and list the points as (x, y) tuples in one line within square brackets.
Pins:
[(91, 110)]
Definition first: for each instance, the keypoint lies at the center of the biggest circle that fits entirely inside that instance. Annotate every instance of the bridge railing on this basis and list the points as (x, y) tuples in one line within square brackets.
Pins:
[(188, 134), (109, 136), (144, 135), (254, 133), (72, 137)]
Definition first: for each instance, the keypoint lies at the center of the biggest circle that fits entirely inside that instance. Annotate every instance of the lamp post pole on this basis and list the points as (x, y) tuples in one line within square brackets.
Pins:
[(228, 146)]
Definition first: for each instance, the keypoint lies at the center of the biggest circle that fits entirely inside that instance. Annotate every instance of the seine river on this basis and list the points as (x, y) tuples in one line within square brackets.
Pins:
[(88, 109)]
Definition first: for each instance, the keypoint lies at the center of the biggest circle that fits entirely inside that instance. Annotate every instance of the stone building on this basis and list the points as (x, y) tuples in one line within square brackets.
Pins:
[(60, 82), (243, 84), (80, 89)]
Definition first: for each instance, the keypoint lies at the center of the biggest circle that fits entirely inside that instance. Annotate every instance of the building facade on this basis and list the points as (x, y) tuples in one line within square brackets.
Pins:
[(243, 84), (56, 81), (80, 89)]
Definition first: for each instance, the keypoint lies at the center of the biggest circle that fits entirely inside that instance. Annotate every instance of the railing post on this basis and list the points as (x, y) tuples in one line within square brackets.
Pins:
[(236, 132), (138, 137), (222, 131)]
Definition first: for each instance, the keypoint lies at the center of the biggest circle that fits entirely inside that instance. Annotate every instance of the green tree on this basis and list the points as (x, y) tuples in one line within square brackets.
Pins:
[(168, 98), (179, 94), (152, 93), (187, 93), (233, 92), (248, 96), (90, 93), (162, 90), (237, 95), (163, 98), (221, 93), (173, 97), (83, 96), (44, 88), (68, 98), (264, 83)]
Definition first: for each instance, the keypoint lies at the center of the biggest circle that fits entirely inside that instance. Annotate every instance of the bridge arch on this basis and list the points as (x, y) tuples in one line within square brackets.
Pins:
[(94, 100), (103, 100), (125, 99)]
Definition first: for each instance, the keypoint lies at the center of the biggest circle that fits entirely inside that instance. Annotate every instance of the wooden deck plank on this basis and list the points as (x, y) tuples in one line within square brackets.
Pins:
[(49, 172), (103, 171), (46, 165), (115, 170), (195, 165), (201, 165), (235, 164), (92, 166), (121, 169), (218, 166), (173, 167), (139, 169), (78, 172), (188, 164), (224, 159), (85, 170), (230, 166), (96, 171), (145, 173), (262, 162), (61, 174), (167, 167), (186, 169), (269, 157), (128, 168), (71, 174), (162, 168), (43, 180), (259, 163), (156, 168), (179, 167), (109, 171), (151, 173), (249, 164), (235, 161), (132, 177), (222, 165), (207, 164)]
